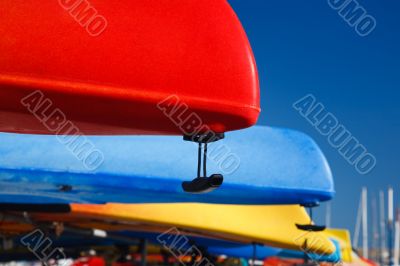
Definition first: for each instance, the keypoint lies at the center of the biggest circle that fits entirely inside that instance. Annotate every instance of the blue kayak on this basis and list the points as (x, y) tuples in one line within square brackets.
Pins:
[(261, 165), (74, 244), (263, 252), (210, 246), (219, 247), (245, 251), (335, 257)]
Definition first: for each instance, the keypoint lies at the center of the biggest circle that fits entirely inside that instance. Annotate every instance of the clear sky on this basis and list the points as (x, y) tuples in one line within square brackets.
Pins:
[(304, 47)]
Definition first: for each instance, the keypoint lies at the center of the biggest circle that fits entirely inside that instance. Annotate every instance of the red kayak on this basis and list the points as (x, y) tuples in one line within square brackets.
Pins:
[(125, 67), (89, 261)]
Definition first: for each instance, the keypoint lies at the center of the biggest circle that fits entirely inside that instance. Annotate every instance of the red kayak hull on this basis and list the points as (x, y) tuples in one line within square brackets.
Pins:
[(112, 83)]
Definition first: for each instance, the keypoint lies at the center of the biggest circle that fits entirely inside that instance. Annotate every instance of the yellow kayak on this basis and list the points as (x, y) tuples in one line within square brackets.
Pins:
[(349, 257), (343, 237), (270, 225)]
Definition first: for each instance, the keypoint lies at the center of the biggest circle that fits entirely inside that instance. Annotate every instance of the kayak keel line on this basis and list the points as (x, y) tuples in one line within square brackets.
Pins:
[(203, 184)]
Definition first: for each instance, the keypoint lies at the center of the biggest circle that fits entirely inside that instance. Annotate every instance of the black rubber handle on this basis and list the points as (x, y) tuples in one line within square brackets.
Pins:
[(203, 184), (311, 227)]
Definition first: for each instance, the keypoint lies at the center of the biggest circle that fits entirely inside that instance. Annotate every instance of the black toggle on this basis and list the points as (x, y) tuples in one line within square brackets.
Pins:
[(203, 184), (311, 227)]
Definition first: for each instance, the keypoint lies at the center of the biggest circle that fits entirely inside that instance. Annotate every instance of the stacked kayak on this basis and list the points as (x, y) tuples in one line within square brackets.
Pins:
[(349, 256), (261, 165), (263, 252), (268, 225), (148, 67), (209, 246), (215, 229), (192, 54)]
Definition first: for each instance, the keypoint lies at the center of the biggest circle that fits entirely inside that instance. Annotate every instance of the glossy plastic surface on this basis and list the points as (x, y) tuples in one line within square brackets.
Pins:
[(261, 165), (111, 83)]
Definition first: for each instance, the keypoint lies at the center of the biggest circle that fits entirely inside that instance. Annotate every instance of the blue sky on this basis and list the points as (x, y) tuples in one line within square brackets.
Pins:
[(304, 47)]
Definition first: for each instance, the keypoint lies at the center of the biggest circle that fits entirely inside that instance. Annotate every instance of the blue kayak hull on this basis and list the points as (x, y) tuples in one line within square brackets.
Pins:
[(263, 252), (211, 246), (262, 165)]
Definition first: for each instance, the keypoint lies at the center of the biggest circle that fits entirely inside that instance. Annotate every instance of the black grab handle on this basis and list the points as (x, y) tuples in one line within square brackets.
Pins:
[(203, 184), (311, 227)]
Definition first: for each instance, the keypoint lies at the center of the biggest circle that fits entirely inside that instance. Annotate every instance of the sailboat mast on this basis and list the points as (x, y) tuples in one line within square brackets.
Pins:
[(382, 226), (358, 223), (375, 229), (328, 215), (390, 225), (397, 239), (365, 223)]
